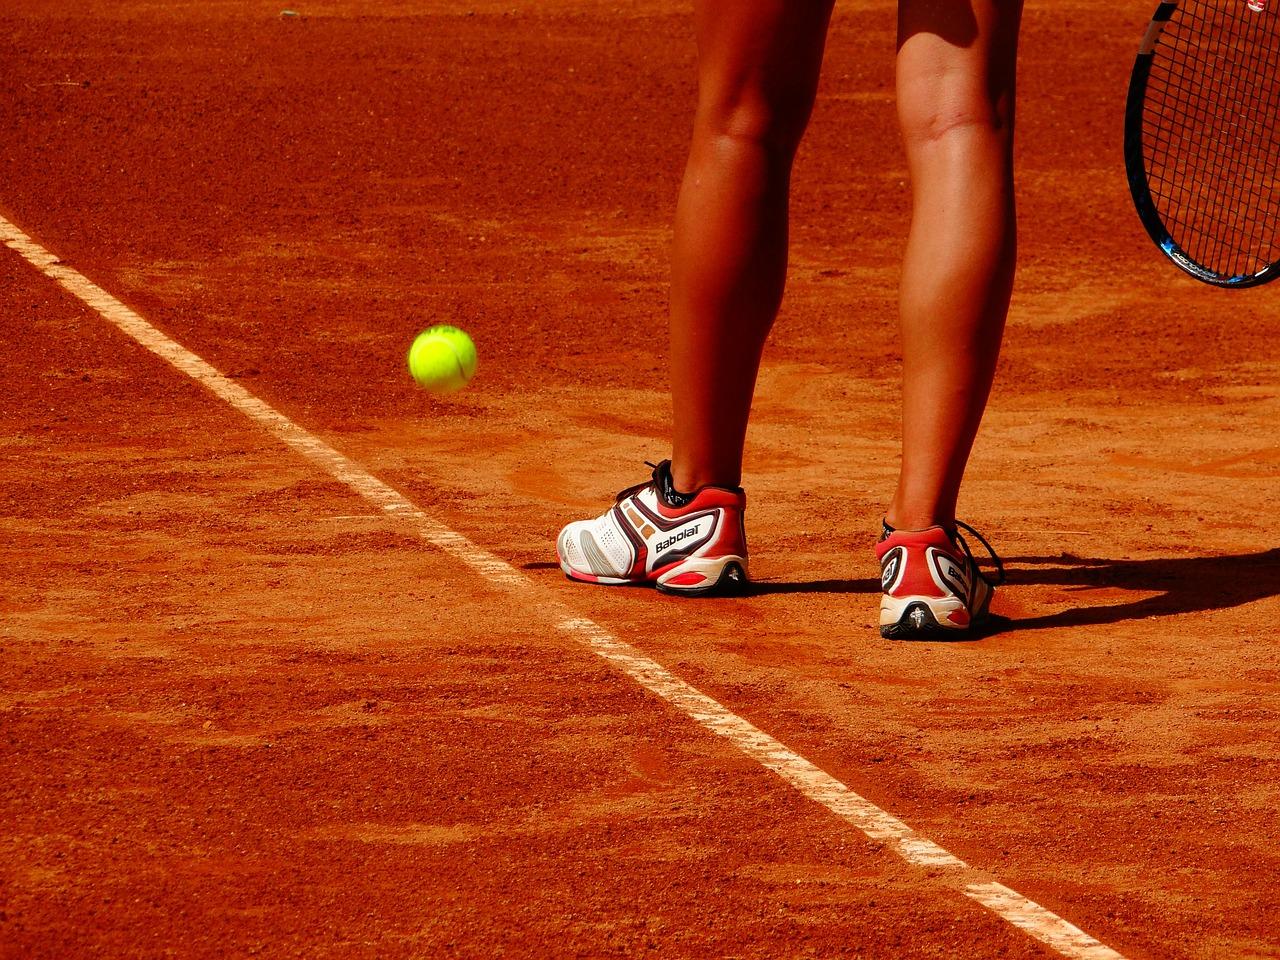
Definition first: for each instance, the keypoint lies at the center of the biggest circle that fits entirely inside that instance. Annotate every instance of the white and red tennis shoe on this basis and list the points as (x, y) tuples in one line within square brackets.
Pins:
[(686, 543), (932, 585)]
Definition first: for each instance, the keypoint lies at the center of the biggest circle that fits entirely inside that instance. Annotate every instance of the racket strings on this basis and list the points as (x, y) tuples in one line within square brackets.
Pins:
[(1209, 134), (1209, 112), (1224, 173)]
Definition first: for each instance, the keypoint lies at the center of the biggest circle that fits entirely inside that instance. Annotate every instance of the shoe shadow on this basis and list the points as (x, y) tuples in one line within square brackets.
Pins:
[(1172, 586), (1181, 585), (760, 588)]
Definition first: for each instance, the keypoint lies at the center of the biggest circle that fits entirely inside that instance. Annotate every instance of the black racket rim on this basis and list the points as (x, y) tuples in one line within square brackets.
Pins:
[(1136, 170)]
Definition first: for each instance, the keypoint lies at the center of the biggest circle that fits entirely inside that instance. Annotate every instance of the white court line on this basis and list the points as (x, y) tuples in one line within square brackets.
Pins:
[(804, 776)]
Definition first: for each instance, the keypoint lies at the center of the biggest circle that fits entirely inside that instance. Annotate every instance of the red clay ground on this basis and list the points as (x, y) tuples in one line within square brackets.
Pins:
[(242, 715)]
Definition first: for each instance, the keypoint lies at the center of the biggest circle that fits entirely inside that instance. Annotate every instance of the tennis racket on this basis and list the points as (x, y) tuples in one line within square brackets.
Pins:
[(1200, 139)]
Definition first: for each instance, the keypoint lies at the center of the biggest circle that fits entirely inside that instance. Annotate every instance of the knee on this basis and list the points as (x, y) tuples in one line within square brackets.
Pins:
[(772, 122), (931, 113)]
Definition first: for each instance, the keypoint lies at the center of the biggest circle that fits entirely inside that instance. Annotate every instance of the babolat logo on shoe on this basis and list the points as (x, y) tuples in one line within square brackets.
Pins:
[(675, 538)]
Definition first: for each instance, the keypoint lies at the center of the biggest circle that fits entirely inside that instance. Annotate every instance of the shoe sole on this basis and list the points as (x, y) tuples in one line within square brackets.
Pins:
[(919, 622), (725, 576), (731, 580)]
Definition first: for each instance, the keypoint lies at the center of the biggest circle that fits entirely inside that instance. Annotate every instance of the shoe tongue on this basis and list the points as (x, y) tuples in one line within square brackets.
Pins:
[(666, 487)]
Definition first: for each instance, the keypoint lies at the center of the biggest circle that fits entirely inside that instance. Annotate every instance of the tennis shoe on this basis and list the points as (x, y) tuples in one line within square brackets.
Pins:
[(686, 543), (933, 588)]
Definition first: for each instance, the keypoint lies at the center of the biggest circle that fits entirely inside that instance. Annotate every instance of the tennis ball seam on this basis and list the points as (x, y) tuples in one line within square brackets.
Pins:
[(457, 357)]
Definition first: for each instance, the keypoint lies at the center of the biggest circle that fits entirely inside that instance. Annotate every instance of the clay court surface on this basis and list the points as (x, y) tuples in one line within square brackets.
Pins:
[(246, 712)]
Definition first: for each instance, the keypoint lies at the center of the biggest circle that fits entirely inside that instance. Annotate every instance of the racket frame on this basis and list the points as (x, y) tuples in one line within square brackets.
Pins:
[(1136, 169)]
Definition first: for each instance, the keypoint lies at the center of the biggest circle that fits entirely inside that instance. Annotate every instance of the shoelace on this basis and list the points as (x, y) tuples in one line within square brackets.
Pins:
[(995, 557), (654, 480)]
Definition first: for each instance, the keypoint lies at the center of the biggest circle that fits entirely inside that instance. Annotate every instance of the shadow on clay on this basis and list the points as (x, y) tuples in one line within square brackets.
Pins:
[(760, 588), (1175, 586), (1183, 585)]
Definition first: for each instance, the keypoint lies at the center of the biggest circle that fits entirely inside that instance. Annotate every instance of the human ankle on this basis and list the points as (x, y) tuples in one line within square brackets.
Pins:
[(690, 480), (913, 521)]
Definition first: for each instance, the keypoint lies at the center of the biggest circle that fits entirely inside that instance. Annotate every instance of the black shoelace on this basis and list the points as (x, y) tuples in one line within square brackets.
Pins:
[(995, 557), (666, 487), (661, 480)]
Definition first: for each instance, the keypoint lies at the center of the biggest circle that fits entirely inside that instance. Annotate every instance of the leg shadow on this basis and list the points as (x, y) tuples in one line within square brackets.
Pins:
[(1182, 585)]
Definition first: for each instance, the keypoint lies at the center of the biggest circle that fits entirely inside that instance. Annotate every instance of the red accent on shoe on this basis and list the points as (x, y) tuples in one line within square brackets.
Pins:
[(686, 580), (707, 498), (916, 581)]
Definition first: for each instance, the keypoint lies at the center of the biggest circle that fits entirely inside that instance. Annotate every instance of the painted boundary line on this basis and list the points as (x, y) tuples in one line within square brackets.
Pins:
[(809, 779)]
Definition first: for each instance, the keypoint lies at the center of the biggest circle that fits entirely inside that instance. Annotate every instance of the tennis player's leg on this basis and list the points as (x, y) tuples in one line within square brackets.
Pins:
[(956, 65), (758, 64), (955, 73)]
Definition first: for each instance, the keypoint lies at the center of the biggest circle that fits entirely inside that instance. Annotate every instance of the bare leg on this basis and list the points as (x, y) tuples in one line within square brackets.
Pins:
[(758, 64), (956, 66)]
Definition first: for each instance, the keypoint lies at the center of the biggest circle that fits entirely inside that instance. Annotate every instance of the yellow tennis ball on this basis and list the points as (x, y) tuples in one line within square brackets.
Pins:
[(442, 359)]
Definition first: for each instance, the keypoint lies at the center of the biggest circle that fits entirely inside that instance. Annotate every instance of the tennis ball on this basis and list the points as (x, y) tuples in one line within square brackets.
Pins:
[(442, 359)]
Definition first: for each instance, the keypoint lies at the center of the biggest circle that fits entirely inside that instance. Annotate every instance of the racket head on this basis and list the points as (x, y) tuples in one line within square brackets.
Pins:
[(1200, 143)]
